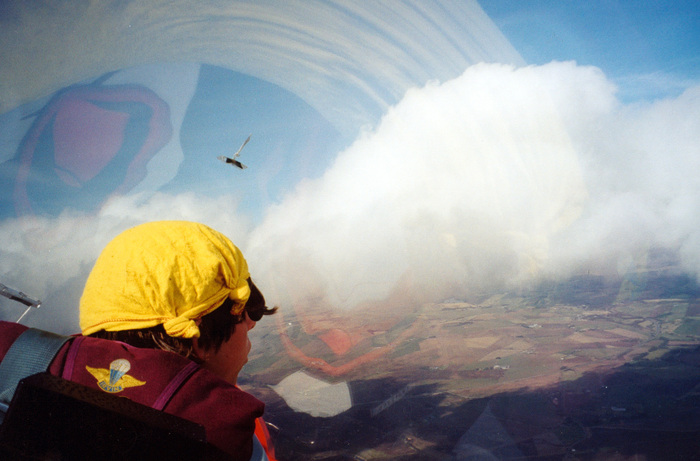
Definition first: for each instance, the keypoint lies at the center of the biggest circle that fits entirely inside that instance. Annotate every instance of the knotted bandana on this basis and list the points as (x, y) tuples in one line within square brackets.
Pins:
[(166, 272)]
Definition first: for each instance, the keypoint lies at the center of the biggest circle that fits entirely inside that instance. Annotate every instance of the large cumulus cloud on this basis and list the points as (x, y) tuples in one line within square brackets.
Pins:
[(499, 177)]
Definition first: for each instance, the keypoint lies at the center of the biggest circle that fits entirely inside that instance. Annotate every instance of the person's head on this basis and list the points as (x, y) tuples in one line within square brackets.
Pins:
[(175, 285)]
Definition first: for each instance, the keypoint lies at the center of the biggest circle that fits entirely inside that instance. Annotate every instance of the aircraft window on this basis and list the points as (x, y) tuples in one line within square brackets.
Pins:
[(479, 219)]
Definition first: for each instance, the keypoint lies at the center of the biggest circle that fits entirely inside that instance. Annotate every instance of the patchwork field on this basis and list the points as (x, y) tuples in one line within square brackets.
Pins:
[(559, 376)]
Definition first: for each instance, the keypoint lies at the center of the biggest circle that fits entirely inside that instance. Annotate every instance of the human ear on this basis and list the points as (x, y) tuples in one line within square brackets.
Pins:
[(201, 353)]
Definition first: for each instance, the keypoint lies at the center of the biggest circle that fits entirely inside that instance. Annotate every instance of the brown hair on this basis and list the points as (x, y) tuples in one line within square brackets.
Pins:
[(214, 330)]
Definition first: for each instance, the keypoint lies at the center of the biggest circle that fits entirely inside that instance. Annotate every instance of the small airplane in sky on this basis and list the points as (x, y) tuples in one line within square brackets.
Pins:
[(232, 160)]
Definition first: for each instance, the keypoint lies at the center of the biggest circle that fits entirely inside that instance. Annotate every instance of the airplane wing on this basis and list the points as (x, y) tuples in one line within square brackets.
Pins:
[(238, 152), (232, 161)]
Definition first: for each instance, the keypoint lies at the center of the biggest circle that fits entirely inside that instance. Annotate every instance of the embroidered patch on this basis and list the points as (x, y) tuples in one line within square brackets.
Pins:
[(115, 379)]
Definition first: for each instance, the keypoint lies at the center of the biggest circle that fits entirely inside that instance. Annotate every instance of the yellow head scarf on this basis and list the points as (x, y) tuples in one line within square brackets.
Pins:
[(166, 272)]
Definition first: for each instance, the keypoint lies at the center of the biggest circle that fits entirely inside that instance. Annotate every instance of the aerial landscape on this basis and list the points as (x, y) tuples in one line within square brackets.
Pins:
[(479, 219), (586, 369)]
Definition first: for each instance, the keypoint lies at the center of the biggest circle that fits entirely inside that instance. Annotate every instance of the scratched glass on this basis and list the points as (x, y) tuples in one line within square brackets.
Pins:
[(479, 219)]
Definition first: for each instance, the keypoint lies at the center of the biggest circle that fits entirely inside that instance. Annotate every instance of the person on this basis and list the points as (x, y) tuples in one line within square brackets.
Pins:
[(165, 316)]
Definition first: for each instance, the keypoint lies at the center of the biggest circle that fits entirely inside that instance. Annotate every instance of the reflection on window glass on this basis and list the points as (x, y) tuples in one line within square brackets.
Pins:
[(478, 219)]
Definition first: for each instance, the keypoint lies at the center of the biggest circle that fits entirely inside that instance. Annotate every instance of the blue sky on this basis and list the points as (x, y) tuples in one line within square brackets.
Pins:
[(656, 41)]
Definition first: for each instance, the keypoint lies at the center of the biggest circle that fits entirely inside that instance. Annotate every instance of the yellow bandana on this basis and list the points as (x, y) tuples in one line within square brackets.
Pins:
[(166, 272)]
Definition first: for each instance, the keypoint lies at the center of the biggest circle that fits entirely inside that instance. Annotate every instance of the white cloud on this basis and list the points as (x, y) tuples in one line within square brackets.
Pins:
[(462, 184), (496, 177), (639, 163)]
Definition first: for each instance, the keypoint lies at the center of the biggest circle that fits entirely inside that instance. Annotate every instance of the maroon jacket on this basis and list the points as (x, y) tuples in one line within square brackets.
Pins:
[(144, 375)]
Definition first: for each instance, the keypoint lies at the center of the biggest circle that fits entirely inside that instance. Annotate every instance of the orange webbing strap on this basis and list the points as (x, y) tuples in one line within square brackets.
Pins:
[(263, 436)]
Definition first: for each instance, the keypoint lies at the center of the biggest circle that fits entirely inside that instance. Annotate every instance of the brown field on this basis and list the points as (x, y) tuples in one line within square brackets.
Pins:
[(453, 355)]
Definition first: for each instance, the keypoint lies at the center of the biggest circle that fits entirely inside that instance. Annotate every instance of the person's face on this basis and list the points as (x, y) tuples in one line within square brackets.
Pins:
[(233, 354)]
